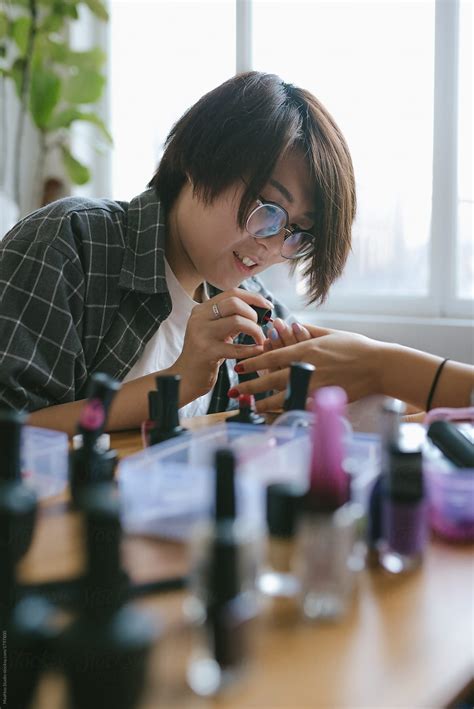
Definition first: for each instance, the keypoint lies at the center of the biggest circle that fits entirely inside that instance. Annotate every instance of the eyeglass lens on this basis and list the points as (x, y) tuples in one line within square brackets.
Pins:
[(268, 220)]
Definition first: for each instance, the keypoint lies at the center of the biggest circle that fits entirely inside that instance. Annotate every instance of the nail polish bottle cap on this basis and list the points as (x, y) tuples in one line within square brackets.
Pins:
[(153, 405), (404, 482), (165, 404), (297, 391), (10, 441), (225, 507), (283, 505), (263, 314)]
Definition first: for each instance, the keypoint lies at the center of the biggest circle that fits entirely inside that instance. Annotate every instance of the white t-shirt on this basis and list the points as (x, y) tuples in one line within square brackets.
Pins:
[(165, 346)]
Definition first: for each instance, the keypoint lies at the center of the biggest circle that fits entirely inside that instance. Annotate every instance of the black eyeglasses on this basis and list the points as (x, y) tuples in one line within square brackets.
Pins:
[(269, 219)]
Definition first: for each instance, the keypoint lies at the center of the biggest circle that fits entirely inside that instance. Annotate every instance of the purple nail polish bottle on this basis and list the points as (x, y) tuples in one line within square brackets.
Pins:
[(404, 512)]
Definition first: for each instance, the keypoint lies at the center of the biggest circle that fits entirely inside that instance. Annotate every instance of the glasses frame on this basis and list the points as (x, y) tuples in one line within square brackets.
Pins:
[(289, 229)]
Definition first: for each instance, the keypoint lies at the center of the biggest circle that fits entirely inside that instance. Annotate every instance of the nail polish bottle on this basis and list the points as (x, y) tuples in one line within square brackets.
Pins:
[(264, 315), (297, 391), (104, 388), (328, 478), (247, 412), (164, 410), (328, 529), (404, 512), (31, 636), (104, 651), (90, 462), (12, 489), (225, 555), (27, 625), (278, 583), (390, 415)]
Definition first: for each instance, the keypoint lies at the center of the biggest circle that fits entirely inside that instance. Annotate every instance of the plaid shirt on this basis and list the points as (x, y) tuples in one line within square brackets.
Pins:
[(82, 290)]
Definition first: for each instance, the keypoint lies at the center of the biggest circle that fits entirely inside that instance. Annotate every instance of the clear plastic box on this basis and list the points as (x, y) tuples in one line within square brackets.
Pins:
[(451, 502), (167, 488), (44, 460)]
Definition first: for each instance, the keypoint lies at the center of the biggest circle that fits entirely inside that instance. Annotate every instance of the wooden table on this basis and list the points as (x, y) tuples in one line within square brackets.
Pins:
[(407, 642)]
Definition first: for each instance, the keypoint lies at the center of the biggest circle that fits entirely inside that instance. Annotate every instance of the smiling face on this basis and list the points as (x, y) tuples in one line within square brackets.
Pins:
[(205, 242)]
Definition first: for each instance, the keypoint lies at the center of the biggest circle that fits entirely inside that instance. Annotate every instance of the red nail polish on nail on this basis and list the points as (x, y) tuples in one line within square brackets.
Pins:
[(239, 368), (233, 393)]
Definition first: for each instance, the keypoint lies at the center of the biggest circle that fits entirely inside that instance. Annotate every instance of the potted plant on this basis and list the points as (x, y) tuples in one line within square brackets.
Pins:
[(55, 85)]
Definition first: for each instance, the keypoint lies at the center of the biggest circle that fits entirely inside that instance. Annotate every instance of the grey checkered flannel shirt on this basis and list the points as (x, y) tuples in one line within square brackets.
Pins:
[(82, 290)]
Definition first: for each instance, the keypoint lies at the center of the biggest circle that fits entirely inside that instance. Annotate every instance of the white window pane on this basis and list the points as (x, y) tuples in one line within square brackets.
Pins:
[(372, 65), (164, 56), (465, 250)]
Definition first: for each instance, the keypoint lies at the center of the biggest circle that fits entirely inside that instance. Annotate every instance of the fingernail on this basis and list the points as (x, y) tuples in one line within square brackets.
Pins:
[(274, 334), (296, 327), (233, 393), (239, 368)]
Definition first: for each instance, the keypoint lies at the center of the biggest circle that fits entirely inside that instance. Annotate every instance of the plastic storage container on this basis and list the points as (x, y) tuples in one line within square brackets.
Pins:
[(166, 489), (451, 502), (44, 460)]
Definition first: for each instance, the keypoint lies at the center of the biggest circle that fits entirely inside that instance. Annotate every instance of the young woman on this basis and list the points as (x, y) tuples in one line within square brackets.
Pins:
[(255, 173)]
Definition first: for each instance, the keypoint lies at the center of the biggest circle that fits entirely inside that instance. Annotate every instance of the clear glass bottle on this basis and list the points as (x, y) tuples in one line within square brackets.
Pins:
[(327, 558), (225, 555), (278, 583)]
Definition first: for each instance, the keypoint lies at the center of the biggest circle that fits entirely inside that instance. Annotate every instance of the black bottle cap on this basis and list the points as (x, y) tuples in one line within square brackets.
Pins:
[(105, 584), (167, 403), (17, 518), (452, 443), (404, 481), (224, 579), (11, 423), (283, 506), (297, 391), (225, 507), (153, 405), (374, 516), (264, 315)]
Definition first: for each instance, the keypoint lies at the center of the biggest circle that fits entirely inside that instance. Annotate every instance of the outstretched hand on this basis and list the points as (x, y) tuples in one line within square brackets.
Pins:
[(341, 358)]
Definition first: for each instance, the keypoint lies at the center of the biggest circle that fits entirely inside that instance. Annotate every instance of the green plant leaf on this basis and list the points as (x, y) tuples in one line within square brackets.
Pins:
[(3, 51), (78, 172), (16, 73), (52, 23), (3, 24), (45, 91), (93, 59), (84, 87), (64, 118), (61, 53), (98, 8), (19, 32)]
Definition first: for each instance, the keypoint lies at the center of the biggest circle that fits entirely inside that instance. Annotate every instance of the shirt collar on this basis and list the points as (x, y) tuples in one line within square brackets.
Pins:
[(143, 267)]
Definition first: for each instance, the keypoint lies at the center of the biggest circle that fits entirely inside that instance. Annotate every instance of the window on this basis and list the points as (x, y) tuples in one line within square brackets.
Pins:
[(396, 75)]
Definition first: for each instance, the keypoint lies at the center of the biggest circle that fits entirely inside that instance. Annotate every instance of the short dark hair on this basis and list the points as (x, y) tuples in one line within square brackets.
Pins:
[(241, 128)]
